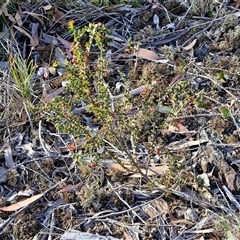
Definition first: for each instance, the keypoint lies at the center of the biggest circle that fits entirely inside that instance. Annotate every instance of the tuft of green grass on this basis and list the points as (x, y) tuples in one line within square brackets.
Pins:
[(22, 71)]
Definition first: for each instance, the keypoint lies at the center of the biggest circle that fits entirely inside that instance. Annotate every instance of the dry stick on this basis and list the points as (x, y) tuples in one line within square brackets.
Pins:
[(233, 145), (196, 201), (182, 18), (206, 76), (179, 33), (11, 218), (33, 160), (129, 156), (104, 13), (110, 144), (231, 197), (214, 100), (40, 172), (231, 114), (197, 33), (235, 123), (115, 222), (229, 207), (187, 29), (112, 213), (211, 23), (129, 207), (199, 115), (171, 38), (165, 10), (134, 92), (41, 140), (216, 83), (120, 141)]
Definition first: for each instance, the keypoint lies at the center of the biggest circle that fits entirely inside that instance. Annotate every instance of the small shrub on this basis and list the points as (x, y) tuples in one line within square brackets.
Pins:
[(104, 121)]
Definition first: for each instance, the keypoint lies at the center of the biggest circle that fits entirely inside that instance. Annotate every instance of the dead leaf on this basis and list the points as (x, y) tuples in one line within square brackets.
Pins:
[(160, 207), (150, 171), (34, 30), (147, 54), (70, 187), (183, 144), (119, 167), (11, 18), (43, 72), (19, 10), (236, 3), (138, 90), (52, 70), (156, 20), (128, 169), (59, 16), (127, 236), (18, 205), (183, 129), (8, 157), (191, 45), (177, 128), (176, 78), (163, 61), (35, 41), (35, 15), (164, 109), (72, 146), (145, 90), (3, 175), (170, 128), (204, 178), (18, 19), (125, 55), (41, 48), (24, 116), (5, 145), (230, 179), (66, 43), (156, 208), (26, 34), (60, 56), (55, 93), (47, 7)]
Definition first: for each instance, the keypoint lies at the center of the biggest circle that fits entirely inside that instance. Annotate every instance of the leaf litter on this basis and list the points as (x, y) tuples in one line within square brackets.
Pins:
[(144, 201)]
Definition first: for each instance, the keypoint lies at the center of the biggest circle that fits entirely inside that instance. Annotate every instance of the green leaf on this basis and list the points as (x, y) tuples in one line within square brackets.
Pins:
[(221, 75), (225, 112), (164, 109)]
